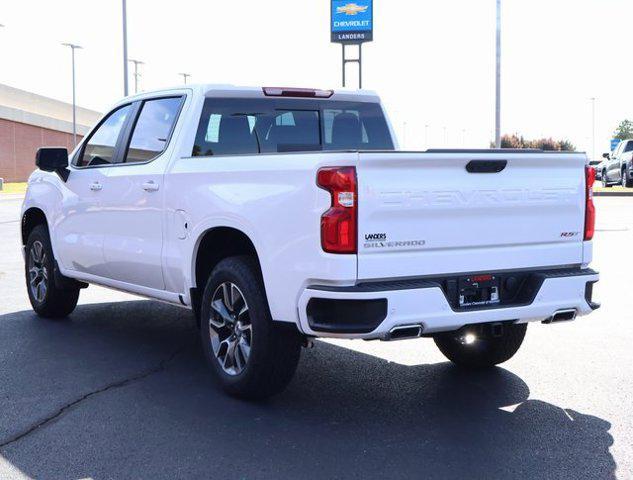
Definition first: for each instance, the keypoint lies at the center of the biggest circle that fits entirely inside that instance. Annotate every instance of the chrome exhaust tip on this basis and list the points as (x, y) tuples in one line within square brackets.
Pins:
[(403, 332), (565, 315)]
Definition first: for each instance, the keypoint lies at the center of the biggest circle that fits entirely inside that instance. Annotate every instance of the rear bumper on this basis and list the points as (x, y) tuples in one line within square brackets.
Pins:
[(372, 311)]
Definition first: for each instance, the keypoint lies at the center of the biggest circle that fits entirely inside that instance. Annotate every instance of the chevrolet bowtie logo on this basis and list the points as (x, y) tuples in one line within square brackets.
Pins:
[(351, 9)]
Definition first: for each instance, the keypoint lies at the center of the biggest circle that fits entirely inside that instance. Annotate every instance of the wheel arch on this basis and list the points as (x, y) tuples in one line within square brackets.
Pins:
[(212, 246), (31, 218)]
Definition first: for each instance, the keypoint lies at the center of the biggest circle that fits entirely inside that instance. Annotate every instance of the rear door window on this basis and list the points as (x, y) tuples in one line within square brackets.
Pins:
[(153, 128)]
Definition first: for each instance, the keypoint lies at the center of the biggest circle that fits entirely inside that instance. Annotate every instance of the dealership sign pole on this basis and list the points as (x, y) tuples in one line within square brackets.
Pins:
[(352, 23)]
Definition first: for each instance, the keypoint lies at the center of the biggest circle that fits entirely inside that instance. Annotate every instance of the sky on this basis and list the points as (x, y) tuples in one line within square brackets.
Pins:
[(431, 61)]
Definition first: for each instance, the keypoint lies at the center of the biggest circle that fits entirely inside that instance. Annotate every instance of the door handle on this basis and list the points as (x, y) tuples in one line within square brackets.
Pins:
[(96, 186), (150, 186)]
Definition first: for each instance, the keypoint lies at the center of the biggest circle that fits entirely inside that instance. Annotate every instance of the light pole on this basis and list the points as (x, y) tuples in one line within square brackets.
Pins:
[(593, 128), (73, 47), (426, 136), (185, 76), (404, 134), (136, 74), (498, 80), (125, 79)]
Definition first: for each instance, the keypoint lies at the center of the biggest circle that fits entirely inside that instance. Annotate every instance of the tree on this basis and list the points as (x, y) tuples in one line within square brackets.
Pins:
[(518, 142), (548, 144), (512, 141), (567, 146), (624, 130)]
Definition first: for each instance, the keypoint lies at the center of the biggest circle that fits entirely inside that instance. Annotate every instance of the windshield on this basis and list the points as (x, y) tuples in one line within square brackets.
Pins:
[(251, 126)]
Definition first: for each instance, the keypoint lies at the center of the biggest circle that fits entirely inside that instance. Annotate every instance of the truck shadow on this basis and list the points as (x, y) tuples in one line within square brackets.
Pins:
[(121, 391)]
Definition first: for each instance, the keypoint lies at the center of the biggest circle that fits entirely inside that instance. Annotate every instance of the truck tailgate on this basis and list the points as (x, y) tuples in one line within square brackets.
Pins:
[(426, 214)]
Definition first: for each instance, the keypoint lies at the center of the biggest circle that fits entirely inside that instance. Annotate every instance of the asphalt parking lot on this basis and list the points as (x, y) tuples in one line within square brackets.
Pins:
[(120, 391)]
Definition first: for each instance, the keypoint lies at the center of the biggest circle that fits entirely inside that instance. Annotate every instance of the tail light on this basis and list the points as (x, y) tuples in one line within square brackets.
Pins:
[(297, 92), (338, 224), (590, 209)]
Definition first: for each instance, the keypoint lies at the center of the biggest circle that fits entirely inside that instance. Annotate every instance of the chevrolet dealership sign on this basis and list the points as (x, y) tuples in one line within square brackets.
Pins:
[(352, 21)]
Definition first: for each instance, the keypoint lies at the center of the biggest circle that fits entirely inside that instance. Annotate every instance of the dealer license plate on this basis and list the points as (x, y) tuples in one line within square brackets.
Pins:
[(478, 290)]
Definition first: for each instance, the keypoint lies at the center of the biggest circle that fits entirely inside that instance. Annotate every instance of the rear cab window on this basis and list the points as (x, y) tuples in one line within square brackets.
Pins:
[(269, 125)]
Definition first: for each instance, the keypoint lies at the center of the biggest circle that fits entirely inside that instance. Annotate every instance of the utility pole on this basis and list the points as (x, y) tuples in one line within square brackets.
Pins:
[(593, 128), (125, 74), (73, 47), (185, 76), (498, 80), (136, 74)]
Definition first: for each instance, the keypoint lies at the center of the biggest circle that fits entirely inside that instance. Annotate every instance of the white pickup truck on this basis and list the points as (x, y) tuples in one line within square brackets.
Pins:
[(279, 215)]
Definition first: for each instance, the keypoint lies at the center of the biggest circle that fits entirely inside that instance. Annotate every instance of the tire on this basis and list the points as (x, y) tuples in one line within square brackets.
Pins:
[(605, 182), (251, 356), (47, 299), (487, 350), (626, 181)]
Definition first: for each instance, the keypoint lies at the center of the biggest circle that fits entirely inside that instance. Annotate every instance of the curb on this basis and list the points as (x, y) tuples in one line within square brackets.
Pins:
[(11, 196)]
